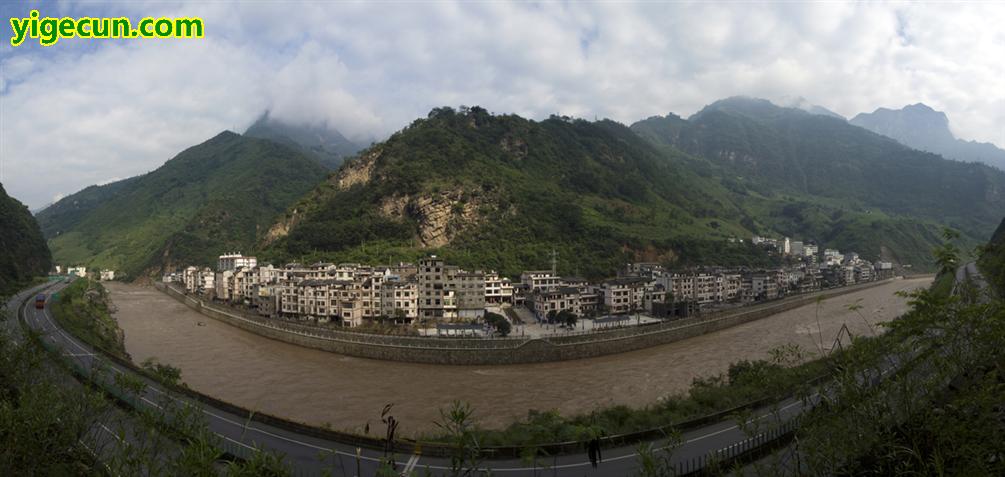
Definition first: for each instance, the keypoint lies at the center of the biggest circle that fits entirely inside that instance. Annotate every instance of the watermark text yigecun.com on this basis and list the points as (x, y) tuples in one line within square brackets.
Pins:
[(50, 30)]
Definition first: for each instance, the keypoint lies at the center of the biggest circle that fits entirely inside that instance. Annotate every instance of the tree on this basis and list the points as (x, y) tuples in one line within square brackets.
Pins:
[(947, 255), (400, 315), (567, 318), (499, 322)]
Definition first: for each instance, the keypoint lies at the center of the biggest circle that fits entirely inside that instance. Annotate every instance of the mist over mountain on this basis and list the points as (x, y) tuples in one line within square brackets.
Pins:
[(805, 105), (23, 253), (211, 198), (327, 145), (923, 128)]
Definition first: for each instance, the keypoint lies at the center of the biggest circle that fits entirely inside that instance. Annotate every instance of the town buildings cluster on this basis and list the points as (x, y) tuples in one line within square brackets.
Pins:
[(433, 291)]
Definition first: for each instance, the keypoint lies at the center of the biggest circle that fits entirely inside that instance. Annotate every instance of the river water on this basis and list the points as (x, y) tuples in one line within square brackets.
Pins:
[(319, 388)]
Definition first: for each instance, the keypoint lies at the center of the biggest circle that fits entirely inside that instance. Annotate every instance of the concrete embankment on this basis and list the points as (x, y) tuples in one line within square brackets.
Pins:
[(495, 351)]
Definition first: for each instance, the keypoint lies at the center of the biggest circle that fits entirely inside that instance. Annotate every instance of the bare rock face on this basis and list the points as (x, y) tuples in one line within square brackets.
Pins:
[(441, 215), (359, 171), (515, 146), (282, 227)]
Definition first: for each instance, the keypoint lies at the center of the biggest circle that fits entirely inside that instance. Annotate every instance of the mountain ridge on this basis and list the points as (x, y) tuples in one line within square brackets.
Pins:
[(921, 127), (210, 198), (789, 151), (327, 145)]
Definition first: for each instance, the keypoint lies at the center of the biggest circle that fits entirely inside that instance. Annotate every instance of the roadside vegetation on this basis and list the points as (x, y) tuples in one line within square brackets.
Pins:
[(84, 309)]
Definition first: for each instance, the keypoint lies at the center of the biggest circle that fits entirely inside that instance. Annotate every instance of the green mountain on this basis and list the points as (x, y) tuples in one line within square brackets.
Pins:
[(992, 261), (212, 198), (326, 145), (69, 211), (23, 253), (926, 129), (840, 184), (504, 192)]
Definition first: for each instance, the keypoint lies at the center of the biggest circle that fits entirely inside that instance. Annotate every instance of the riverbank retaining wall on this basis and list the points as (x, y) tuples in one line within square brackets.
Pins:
[(496, 351)]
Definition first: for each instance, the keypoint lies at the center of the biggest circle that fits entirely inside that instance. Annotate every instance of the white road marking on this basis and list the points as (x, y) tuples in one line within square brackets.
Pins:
[(115, 368)]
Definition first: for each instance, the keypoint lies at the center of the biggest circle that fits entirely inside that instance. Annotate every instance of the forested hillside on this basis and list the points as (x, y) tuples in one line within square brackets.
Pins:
[(830, 168), (503, 192), (500, 191), (211, 198), (23, 253), (992, 261)]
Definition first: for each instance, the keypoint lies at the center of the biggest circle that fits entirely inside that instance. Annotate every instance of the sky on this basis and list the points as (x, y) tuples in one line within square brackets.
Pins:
[(86, 112)]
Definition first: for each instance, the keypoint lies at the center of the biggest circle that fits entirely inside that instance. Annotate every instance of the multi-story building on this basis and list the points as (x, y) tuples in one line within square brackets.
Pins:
[(624, 295), (436, 299), (557, 300), (399, 300), (498, 290), (232, 261), (190, 278), (832, 257), (223, 285), (540, 280), (469, 288), (446, 292), (704, 287)]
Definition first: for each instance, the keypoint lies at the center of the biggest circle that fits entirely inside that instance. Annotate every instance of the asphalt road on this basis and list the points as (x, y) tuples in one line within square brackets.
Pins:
[(311, 456)]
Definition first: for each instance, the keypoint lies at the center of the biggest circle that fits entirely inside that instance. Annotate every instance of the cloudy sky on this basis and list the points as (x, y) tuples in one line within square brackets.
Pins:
[(91, 111)]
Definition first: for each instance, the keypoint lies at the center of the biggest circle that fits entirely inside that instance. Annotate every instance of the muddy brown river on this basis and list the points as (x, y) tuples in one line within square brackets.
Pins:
[(318, 387)]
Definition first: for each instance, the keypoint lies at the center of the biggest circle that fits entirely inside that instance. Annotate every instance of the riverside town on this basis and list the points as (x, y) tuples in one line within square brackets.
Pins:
[(436, 298), (448, 238)]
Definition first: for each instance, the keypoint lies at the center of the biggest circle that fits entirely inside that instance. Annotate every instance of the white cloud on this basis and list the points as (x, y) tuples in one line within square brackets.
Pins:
[(81, 113)]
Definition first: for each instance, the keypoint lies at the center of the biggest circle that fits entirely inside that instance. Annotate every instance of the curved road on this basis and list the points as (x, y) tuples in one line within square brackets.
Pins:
[(305, 453)]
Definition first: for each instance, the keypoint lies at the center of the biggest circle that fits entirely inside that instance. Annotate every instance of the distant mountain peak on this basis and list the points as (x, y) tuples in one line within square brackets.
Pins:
[(320, 141), (922, 127)]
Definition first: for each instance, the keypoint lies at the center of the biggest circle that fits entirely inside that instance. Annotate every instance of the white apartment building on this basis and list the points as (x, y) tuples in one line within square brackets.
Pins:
[(540, 281), (624, 295), (498, 290), (232, 261)]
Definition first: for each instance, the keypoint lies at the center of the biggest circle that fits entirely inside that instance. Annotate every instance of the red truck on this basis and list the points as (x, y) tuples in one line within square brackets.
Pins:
[(40, 302)]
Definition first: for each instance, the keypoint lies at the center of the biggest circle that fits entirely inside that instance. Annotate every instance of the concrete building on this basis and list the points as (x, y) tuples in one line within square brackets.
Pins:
[(399, 300), (498, 290), (232, 261), (557, 300), (624, 295), (540, 280)]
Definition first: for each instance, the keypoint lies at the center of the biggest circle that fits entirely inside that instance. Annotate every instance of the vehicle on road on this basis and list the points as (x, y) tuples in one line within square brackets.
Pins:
[(40, 301)]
